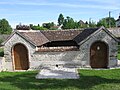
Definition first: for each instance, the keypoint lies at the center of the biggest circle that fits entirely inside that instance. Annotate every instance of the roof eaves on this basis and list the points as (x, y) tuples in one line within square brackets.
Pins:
[(16, 32)]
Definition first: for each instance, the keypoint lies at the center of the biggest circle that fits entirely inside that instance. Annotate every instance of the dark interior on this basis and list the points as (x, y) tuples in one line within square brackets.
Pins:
[(61, 43)]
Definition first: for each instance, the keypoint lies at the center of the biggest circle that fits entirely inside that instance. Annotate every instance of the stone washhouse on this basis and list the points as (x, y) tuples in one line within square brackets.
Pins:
[(34, 49)]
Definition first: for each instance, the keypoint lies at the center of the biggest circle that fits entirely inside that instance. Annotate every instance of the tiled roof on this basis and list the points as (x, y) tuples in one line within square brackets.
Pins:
[(115, 31), (85, 34), (41, 37), (36, 37), (61, 35)]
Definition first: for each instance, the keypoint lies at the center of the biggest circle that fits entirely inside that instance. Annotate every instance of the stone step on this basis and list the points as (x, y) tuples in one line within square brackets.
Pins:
[(58, 73)]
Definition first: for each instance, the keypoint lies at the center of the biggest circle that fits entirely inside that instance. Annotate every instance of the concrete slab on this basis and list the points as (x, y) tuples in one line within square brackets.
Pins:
[(58, 73)]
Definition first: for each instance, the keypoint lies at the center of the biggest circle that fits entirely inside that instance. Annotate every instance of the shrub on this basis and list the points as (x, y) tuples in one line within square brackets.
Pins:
[(1, 52)]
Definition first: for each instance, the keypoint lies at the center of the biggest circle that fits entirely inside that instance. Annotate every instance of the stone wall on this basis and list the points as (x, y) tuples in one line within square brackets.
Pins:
[(39, 59), (8, 50), (2, 63), (103, 37), (67, 58), (79, 58)]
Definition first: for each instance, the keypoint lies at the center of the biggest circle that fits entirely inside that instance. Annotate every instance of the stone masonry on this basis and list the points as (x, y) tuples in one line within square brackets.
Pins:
[(79, 58)]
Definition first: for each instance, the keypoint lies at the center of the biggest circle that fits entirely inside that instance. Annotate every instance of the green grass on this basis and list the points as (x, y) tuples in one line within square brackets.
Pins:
[(89, 80), (118, 56)]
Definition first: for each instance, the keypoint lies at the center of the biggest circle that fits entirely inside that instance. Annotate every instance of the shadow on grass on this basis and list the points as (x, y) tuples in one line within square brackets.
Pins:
[(26, 80)]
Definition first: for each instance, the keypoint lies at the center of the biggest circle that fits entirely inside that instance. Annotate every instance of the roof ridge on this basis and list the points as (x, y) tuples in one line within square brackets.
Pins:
[(28, 30), (65, 30)]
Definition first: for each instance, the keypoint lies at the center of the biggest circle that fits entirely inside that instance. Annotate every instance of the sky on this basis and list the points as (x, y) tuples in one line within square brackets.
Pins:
[(43, 11)]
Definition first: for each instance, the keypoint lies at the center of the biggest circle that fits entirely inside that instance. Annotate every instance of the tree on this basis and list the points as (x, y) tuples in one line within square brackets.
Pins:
[(1, 40), (31, 25), (38, 28), (5, 28), (92, 24), (28, 27), (48, 25), (69, 23), (60, 19), (105, 22)]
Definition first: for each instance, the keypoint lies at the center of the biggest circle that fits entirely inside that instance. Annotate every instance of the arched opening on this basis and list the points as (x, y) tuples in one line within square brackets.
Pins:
[(21, 61), (99, 55)]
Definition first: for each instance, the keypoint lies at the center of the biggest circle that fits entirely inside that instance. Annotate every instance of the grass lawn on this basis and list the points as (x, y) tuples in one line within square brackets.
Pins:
[(89, 80), (118, 56)]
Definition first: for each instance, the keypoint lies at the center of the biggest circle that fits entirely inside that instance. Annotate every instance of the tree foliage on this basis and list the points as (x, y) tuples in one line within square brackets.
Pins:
[(5, 28), (28, 27), (49, 25), (105, 22), (92, 24), (60, 19), (69, 23), (1, 40), (37, 27)]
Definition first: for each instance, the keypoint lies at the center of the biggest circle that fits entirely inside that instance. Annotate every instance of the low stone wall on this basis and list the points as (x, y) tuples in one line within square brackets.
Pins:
[(65, 59)]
